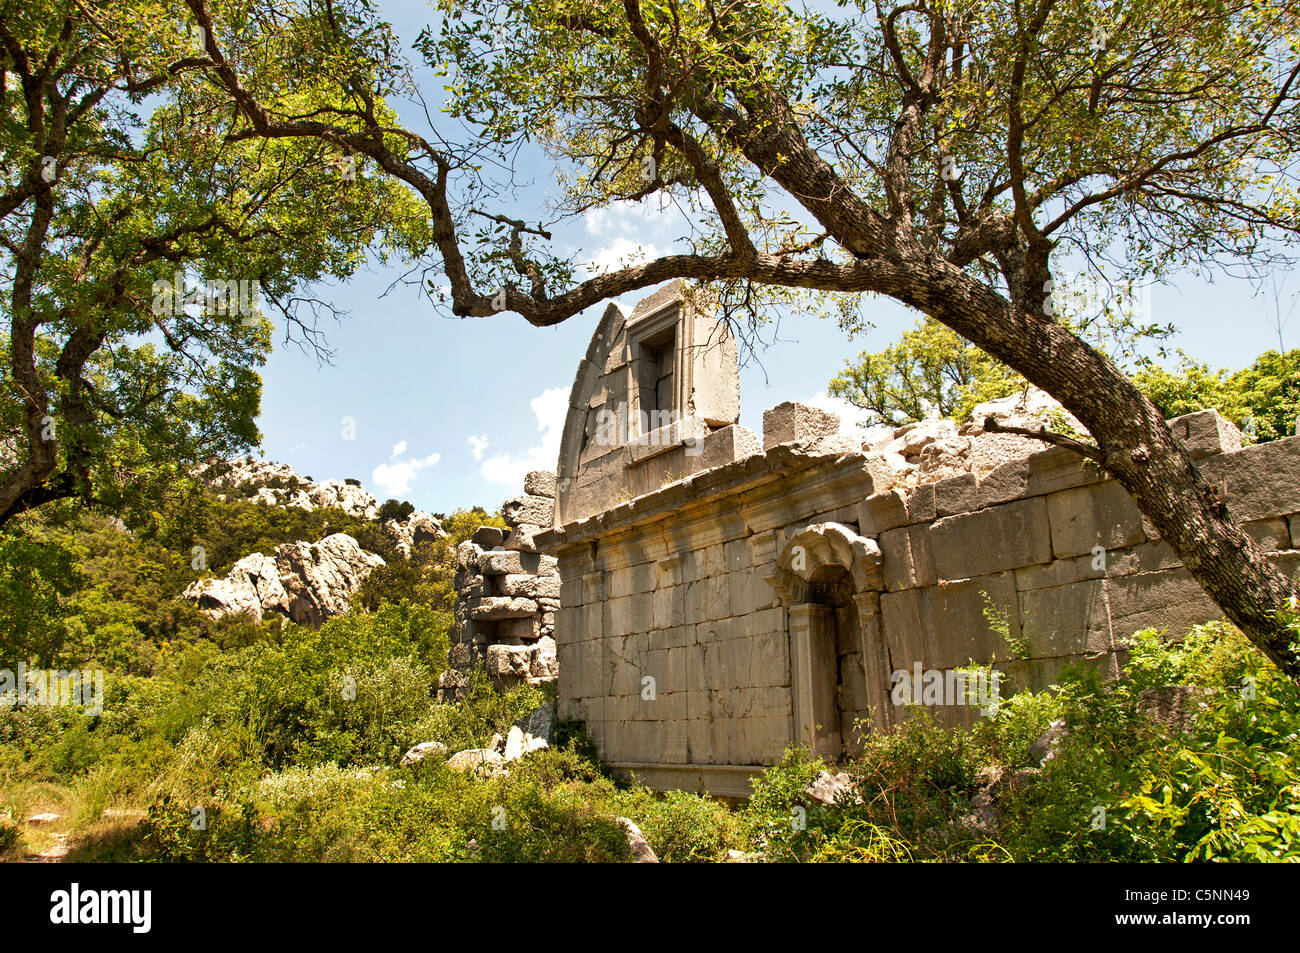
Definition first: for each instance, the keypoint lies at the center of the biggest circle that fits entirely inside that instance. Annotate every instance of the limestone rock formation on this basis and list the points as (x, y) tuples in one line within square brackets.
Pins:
[(252, 587), (279, 485), (321, 577), (307, 582), (418, 528)]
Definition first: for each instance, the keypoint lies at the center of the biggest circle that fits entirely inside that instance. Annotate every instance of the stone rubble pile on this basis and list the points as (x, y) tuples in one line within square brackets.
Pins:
[(935, 449), (507, 596), (534, 732)]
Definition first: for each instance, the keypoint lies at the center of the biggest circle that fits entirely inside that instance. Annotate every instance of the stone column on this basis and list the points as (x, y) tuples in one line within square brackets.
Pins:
[(875, 659), (812, 663)]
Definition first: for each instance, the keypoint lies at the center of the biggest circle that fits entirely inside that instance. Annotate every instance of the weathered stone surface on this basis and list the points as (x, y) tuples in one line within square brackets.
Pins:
[(509, 661), (1206, 433), (534, 510), (540, 483), (790, 422), (723, 446), (502, 607), (1263, 480), (540, 722), (424, 749), (504, 562), (486, 762), (956, 495), (321, 577), (252, 587), (308, 582), (419, 527), (829, 788), (529, 586), (1101, 515), (991, 540), (523, 538), (487, 537), (642, 852)]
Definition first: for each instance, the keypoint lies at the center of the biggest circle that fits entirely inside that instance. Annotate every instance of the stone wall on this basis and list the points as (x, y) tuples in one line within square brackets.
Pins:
[(705, 626), (722, 596), (507, 594)]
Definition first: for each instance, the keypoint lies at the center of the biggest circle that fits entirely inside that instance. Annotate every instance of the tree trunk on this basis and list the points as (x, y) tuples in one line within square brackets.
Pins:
[(1140, 450)]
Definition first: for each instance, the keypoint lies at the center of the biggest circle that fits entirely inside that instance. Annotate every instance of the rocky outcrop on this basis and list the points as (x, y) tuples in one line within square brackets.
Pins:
[(419, 527), (306, 582), (507, 594), (279, 485)]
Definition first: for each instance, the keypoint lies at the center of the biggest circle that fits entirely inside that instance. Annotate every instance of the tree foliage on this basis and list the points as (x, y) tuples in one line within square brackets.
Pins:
[(125, 194)]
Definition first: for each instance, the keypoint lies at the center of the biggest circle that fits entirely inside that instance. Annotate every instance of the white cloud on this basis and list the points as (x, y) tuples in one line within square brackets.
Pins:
[(478, 445), (399, 448), (395, 478), (551, 406), (631, 218), (620, 253)]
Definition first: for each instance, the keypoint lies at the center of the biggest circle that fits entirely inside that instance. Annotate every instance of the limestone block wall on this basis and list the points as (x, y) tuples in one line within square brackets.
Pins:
[(507, 594), (706, 625)]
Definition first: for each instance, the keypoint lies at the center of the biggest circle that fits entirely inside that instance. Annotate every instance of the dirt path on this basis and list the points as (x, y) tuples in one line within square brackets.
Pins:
[(53, 854)]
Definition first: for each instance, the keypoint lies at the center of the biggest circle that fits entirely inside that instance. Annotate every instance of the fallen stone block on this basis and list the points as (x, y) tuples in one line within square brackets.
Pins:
[(790, 422)]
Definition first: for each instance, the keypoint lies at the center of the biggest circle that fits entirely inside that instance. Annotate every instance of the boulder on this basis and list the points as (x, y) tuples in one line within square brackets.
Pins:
[(320, 578), (533, 510), (509, 661), (484, 762), (790, 422), (488, 537), (540, 722), (424, 749), (540, 483), (492, 608), (827, 788), (519, 743), (642, 852), (523, 538), (543, 663)]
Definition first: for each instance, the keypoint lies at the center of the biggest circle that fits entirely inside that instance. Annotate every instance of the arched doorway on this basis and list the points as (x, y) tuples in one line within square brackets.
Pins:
[(829, 579)]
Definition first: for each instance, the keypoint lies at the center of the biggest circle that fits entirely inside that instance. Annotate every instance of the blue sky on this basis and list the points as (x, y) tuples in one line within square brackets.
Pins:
[(451, 413)]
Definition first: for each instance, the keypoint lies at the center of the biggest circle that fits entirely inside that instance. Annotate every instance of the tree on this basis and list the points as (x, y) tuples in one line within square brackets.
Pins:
[(930, 370), (954, 155), (139, 239), (1263, 399)]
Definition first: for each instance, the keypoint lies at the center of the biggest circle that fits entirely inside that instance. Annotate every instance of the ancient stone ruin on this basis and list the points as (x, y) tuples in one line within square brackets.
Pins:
[(722, 596), (507, 597)]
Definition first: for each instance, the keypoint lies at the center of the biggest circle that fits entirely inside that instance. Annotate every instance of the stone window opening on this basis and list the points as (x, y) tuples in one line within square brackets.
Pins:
[(654, 358)]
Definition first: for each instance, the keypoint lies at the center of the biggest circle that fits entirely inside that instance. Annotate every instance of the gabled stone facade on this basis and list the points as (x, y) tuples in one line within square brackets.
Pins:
[(720, 604)]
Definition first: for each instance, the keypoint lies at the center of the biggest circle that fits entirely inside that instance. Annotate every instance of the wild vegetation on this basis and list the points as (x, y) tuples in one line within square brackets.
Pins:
[(283, 767)]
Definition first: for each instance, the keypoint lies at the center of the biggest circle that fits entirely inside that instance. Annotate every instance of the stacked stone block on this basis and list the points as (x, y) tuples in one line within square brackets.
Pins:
[(1039, 563), (507, 594)]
